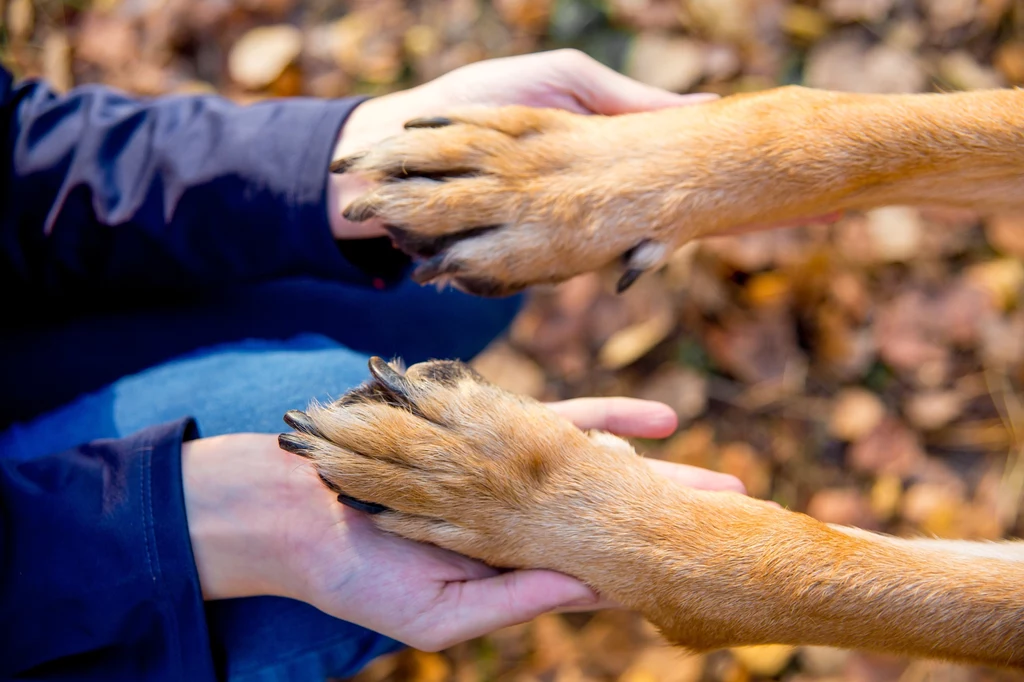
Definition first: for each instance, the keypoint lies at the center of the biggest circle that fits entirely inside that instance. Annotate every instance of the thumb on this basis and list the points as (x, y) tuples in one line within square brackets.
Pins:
[(605, 91), (483, 606)]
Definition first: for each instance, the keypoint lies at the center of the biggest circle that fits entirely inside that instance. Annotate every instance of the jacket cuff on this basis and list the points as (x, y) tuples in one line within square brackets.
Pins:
[(98, 566), (369, 262)]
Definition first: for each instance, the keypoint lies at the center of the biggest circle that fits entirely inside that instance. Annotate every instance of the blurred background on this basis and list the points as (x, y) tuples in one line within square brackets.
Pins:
[(867, 372)]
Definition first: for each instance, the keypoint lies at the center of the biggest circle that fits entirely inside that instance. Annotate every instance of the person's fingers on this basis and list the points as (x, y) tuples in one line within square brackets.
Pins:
[(695, 477), (624, 416), (605, 91), (476, 607)]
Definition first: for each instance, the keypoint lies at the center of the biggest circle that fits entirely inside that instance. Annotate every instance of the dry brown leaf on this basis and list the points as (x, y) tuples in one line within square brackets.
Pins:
[(1009, 59), (665, 61), (930, 410), (886, 494), (694, 446), (1001, 279), (664, 664), (21, 17), (262, 55), (766, 660), (755, 350), (934, 509), (842, 506), (852, 66), (857, 10), (891, 448), (856, 413), (743, 462), (1005, 232), (804, 23), (628, 345), (963, 71), (895, 232)]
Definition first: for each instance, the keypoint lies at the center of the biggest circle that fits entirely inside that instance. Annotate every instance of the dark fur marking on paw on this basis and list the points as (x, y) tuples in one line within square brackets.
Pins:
[(359, 505), (429, 246), (446, 373), (428, 122)]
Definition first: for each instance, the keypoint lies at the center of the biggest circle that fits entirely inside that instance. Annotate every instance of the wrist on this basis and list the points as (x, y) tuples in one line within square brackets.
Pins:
[(240, 495), (369, 123)]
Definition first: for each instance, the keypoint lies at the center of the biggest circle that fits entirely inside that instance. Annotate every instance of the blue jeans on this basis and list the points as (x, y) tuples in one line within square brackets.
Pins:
[(236, 361)]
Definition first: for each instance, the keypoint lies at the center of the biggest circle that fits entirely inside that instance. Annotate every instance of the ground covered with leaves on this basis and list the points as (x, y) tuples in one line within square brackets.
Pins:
[(866, 372)]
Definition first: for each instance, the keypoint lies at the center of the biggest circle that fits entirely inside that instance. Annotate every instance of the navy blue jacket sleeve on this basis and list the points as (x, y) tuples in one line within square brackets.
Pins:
[(100, 191), (97, 577)]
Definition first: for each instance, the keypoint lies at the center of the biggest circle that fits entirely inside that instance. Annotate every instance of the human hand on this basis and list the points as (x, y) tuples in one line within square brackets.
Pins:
[(561, 79), (262, 523)]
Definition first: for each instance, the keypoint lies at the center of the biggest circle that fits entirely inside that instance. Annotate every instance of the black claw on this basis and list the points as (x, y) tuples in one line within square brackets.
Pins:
[(294, 444), (343, 164), (300, 421), (628, 278), (391, 380), (432, 269), (426, 246), (429, 122), (368, 507), (357, 212)]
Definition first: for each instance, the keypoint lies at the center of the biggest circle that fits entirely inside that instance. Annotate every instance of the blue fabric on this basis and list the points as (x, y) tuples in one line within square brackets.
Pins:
[(144, 244), (246, 386)]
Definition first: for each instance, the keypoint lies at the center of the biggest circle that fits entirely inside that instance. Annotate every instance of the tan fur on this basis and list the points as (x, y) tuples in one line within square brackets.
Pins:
[(574, 193), (467, 466)]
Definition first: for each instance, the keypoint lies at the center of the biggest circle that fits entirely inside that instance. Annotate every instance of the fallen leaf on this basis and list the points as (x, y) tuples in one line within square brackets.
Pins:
[(630, 344), (842, 506), (669, 62), (856, 413), (891, 448), (259, 57), (767, 660), (681, 388), (930, 410)]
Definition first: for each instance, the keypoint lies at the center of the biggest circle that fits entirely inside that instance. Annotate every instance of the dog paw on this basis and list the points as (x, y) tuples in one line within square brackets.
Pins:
[(439, 455), (495, 200)]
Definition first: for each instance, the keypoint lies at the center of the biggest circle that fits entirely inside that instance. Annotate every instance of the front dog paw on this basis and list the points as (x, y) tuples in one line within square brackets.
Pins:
[(495, 200), (439, 455)]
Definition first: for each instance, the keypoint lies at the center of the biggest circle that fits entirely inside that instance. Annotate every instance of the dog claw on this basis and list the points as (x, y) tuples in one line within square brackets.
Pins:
[(358, 212), (428, 122), (394, 382), (294, 444), (638, 260), (300, 421), (343, 164), (431, 270), (628, 278), (359, 505)]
